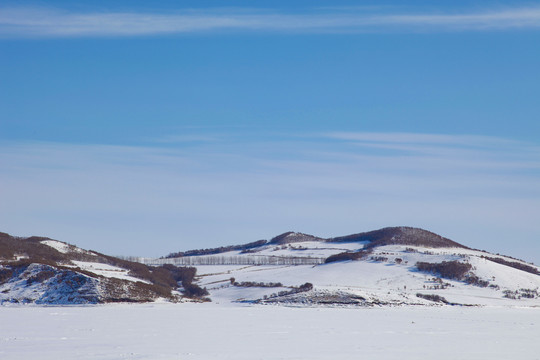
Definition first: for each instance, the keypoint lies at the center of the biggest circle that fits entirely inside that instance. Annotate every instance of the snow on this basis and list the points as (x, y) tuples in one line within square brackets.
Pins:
[(53, 290), (305, 249), (57, 245), (388, 275), (107, 270), (65, 248), (228, 328), (386, 281), (310, 248), (210, 331)]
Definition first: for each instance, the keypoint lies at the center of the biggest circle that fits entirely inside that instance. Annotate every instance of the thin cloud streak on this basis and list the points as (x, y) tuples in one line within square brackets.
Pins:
[(39, 22), (114, 198), (417, 138)]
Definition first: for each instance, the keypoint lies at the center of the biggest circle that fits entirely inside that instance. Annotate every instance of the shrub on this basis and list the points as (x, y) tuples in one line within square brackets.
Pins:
[(475, 280), (306, 287), (447, 269), (5, 275), (257, 284), (432, 297), (194, 291), (345, 256), (294, 290)]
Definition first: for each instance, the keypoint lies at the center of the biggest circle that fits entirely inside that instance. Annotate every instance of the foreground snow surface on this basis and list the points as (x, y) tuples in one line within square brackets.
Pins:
[(210, 331)]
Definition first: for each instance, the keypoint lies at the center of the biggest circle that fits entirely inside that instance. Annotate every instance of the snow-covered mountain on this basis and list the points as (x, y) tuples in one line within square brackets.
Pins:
[(391, 266), (45, 271)]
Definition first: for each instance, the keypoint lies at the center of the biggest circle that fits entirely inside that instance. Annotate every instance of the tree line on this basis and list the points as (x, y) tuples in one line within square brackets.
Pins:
[(231, 260)]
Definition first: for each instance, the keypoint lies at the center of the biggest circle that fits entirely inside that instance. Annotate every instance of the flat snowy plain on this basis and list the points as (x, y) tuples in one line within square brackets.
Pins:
[(212, 331)]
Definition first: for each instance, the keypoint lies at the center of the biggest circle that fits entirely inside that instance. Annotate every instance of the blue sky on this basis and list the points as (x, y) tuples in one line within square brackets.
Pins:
[(136, 129)]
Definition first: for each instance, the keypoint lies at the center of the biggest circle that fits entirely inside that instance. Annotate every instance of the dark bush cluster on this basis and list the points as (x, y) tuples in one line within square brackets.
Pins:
[(305, 287), (294, 290), (194, 291), (522, 294), (257, 284), (475, 280), (249, 251), (218, 250), (399, 236), (438, 284), (345, 256), (454, 270), (447, 269), (432, 297), (5, 275)]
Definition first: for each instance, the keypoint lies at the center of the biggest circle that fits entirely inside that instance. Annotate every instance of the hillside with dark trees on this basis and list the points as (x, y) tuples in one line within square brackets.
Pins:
[(387, 236), (399, 236), (38, 262)]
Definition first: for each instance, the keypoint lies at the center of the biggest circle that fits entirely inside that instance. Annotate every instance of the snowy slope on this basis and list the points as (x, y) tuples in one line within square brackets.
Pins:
[(391, 266), (46, 271), (389, 275)]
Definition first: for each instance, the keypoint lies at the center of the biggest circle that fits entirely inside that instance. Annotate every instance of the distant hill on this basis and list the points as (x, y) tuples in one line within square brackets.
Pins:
[(46, 271), (386, 267), (389, 266), (401, 235)]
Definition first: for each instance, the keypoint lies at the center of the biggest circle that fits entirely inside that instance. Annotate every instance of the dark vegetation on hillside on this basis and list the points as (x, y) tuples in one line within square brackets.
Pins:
[(399, 236), (292, 237), (345, 256), (514, 264), (522, 294), (453, 270), (218, 250), (434, 298), (11, 246), (293, 290), (255, 284), (163, 279), (387, 236)]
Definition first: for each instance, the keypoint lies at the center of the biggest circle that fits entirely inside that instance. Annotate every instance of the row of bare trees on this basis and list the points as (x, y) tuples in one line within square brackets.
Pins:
[(231, 260)]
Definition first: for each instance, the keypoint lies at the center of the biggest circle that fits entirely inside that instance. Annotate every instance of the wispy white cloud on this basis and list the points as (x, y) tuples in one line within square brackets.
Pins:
[(478, 190), (40, 22), (418, 138), (473, 151), (185, 138)]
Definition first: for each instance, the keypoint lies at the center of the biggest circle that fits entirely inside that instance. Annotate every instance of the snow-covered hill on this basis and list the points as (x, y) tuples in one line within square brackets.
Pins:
[(45, 271), (391, 266)]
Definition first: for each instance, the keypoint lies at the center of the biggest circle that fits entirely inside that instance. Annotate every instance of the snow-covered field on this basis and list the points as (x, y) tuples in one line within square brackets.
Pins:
[(210, 331), (386, 281)]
